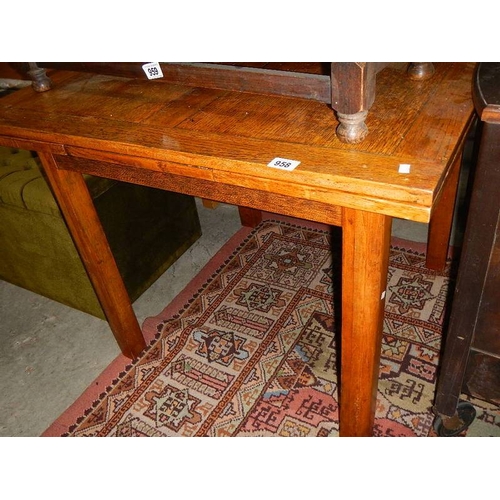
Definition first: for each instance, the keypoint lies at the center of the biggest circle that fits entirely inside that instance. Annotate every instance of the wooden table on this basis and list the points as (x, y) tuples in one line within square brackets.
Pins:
[(217, 144)]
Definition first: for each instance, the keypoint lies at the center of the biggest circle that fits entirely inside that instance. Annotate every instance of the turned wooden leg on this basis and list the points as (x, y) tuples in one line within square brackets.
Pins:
[(365, 260), (420, 70), (352, 128), (353, 93), (40, 81), (76, 205)]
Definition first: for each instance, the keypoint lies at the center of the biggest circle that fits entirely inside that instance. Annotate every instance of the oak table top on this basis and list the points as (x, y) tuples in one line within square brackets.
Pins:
[(218, 144), (231, 137)]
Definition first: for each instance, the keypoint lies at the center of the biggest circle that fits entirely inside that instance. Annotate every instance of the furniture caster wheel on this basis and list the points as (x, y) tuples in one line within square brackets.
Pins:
[(453, 426)]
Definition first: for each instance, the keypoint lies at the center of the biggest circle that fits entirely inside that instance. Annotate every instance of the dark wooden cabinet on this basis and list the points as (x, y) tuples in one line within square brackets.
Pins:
[(482, 377), (471, 354)]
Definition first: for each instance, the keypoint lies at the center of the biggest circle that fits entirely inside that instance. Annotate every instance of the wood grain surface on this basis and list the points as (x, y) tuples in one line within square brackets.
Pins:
[(230, 137)]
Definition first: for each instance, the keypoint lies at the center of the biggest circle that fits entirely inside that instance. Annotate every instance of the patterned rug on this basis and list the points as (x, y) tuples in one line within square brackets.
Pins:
[(252, 353)]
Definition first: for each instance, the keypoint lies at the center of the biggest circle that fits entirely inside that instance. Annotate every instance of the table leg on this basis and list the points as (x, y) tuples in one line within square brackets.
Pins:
[(353, 93), (84, 225), (365, 259), (441, 222), (40, 81), (421, 70), (250, 217)]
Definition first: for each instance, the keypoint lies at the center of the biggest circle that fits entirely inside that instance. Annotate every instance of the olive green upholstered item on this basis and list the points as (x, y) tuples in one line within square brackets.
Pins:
[(147, 229)]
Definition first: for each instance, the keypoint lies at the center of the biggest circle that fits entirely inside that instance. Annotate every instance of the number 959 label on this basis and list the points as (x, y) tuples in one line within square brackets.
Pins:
[(152, 70), (283, 164)]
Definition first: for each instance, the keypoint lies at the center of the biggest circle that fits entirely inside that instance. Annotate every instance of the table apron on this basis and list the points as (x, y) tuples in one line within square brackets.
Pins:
[(307, 209), (301, 201)]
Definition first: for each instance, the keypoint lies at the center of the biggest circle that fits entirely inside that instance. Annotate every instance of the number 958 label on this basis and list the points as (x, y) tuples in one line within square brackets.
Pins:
[(283, 164)]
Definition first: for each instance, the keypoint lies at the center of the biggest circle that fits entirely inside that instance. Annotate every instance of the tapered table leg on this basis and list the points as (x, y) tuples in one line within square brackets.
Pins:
[(85, 227), (365, 258)]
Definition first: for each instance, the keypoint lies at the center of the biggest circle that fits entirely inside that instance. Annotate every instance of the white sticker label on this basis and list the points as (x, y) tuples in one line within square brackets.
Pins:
[(284, 164), (152, 70), (404, 168)]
